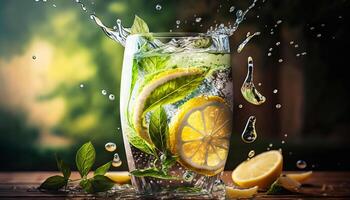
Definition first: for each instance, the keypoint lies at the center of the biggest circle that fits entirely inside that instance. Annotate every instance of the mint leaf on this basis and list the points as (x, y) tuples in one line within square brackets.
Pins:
[(168, 162), (101, 183), (275, 188), (174, 90), (63, 167), (153, 172), (86, 185), (103, 169), (152, 63), (158, 129), (85, 158), (54, 183), (139, 26), (139, 143)]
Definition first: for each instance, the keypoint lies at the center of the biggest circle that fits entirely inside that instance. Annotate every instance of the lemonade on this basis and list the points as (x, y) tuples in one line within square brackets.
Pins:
[(176, 110)]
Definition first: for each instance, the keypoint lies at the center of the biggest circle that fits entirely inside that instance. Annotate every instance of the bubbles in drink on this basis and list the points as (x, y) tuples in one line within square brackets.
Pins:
[(33, 57), (249, 134), (275, 91), (248, 90), (278, 43), (158, 7), (240, 106), (188, 176), (110, 146), (249, 37), (278, 106), (178, 22), (251, 153), (269, 54), (111, 97), (301, 164), (232, 8), (103, 92), (198, 19), (116, 160), (81, 85)]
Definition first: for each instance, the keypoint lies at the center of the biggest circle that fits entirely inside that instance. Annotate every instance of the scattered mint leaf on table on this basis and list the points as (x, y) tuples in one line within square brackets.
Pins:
[(63, 167), (85, 158), (103, 169), (54, 183)]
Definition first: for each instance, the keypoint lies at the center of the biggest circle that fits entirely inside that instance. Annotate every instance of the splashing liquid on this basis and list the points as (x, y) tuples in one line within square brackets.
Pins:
[(118, 33), (248, 90), (249, 133), (243, 44)]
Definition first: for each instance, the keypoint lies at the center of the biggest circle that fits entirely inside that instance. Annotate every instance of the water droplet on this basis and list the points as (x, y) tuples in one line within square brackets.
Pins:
[(283, 141), (270, 145), (312, 28), (249, 134), (178, 22), (303, 54), (110, 146), (323, 25), (270, 49), (116, 160), (239, 13), (248, 90), (54, 5), (158, 7), (259, 84), (319, 35), (33, 57), (269, 54), (81, 85), (257, 16), (279, 21), (111, 97), (301, 164), (280, 60), (219, 185), (198, 19), (163, 157), (340, 17), (278, 43), (275, 91), (251, 153), (298, 54), (278, 106), (271, 33), (296, 46), (291, 42), (103, 92), (240, 106), (188, 176), (232, 8), (285, 135), (245, 42), (268, 148)]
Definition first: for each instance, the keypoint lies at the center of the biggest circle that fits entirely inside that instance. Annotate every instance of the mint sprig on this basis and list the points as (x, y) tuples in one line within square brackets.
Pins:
[(158, 129), (85, 158)]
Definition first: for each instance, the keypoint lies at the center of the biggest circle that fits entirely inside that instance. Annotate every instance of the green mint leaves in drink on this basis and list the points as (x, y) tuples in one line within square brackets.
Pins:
[(158, 129)]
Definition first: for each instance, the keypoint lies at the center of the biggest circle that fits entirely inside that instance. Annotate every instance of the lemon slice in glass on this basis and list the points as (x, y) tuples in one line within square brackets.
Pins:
[(200, 134), (261, 170)]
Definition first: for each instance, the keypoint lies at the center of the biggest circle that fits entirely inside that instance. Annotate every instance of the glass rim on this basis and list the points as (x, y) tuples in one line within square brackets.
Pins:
[(173, 34)]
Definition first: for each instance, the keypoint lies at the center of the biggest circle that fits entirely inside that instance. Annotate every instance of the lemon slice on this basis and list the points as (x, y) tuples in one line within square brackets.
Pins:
[(261, 170), (119, 177), (200, 133), (171, 78), (300, 177), (235, 193)]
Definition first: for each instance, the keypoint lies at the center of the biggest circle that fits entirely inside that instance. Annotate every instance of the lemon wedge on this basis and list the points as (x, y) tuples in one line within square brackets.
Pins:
[(300, 177), (235, 193), (159, 89), (200, 134), (261, 170), (119, 177)]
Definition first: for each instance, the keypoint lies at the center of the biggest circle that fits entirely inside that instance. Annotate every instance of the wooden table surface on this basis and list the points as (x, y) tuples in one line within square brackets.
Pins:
[(322, 185)]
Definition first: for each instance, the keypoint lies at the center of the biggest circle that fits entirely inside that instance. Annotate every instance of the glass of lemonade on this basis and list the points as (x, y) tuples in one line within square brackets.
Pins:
[(176, 111)]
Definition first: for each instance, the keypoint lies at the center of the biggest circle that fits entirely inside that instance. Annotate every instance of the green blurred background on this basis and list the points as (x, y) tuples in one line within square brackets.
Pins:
[(44, 109)]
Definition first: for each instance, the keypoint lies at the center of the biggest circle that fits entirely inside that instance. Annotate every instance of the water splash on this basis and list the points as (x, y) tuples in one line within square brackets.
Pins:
[(117, 33), (248, 90), (249, 37), (249, 133)]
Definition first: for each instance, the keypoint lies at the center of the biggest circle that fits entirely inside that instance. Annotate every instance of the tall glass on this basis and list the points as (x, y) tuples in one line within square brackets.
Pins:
[(176, 111)]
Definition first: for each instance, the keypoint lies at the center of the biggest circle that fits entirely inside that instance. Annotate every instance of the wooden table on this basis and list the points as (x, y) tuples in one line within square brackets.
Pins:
[(322, 185)]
